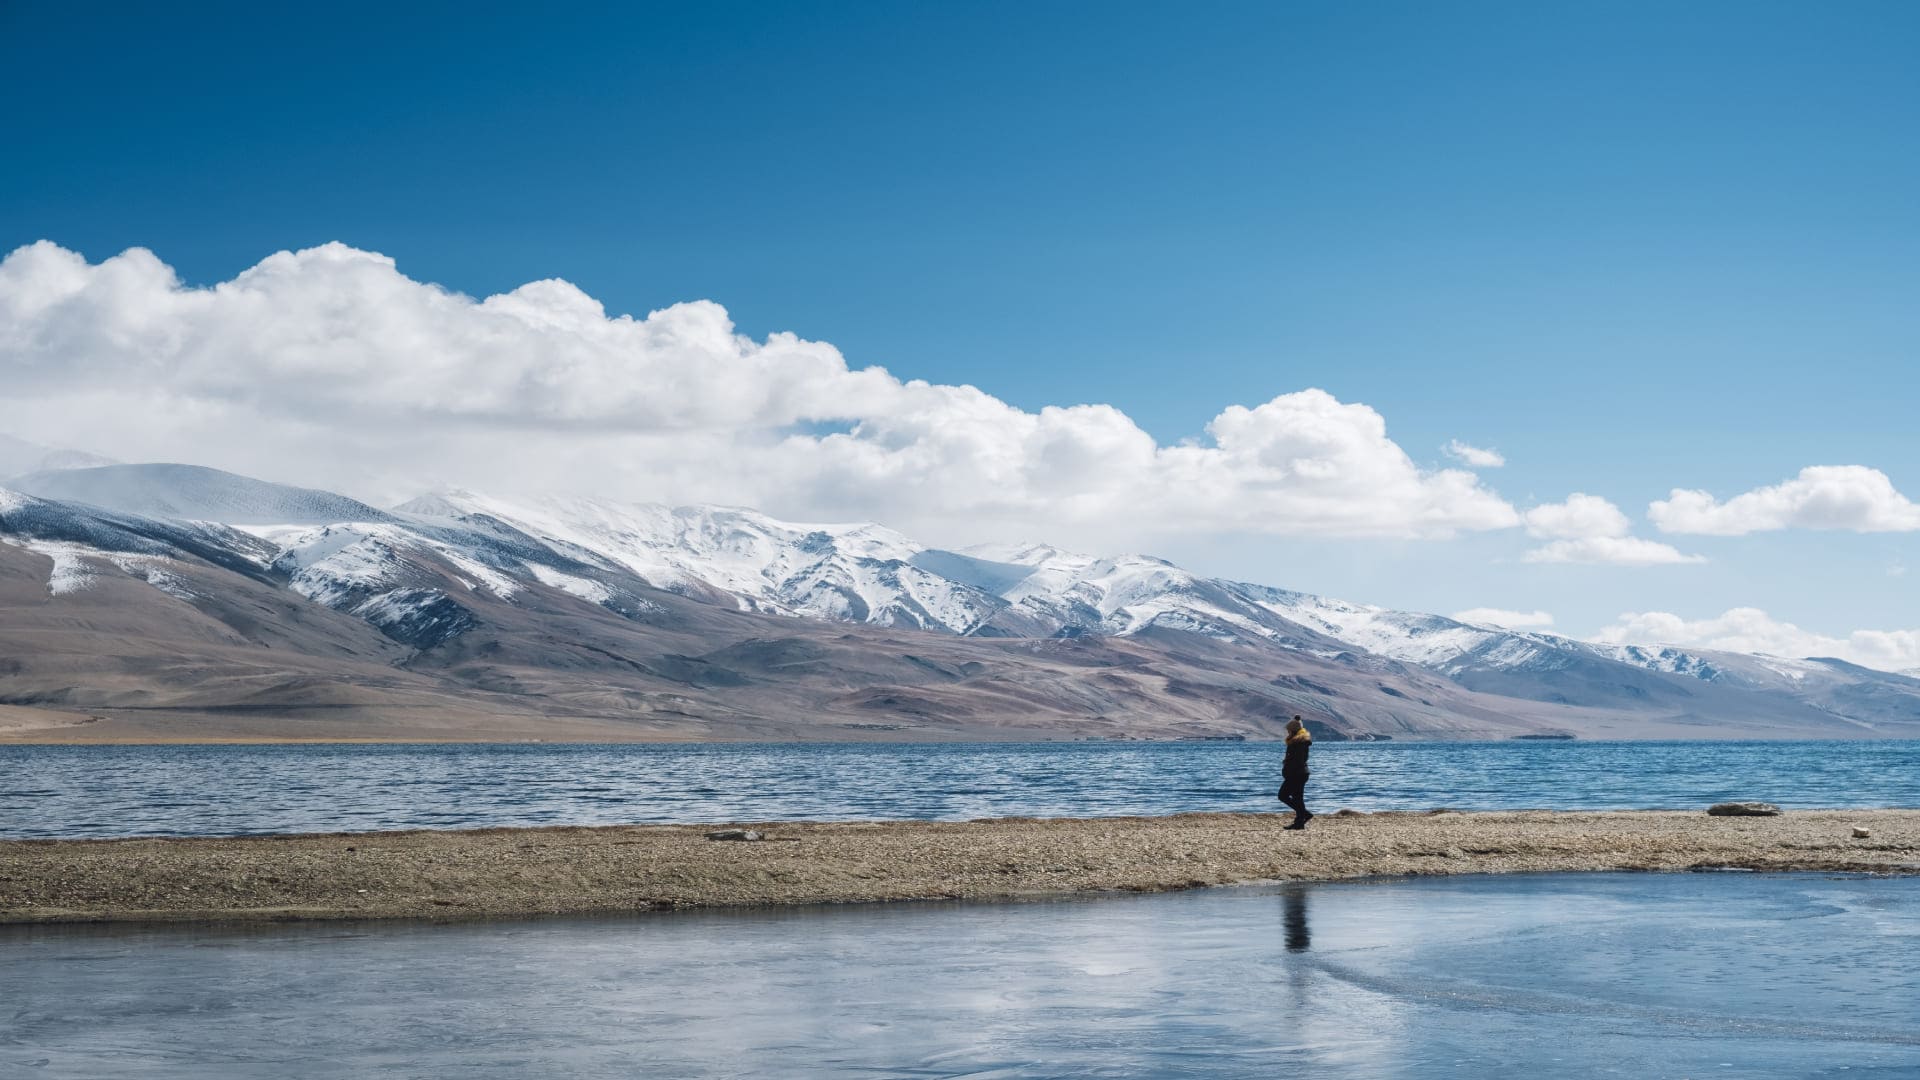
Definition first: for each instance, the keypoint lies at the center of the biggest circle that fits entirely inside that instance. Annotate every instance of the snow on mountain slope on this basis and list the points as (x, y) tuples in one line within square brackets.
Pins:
[(404, 577), (1066, 593), (1453, 647), (1129, 594), (345, 554), (593, 592), (459, 547), (335, 564), (80, 549), (76, 566), (420, 579), (327, 560), (71, 571), (195, 493), (870, 574), (431, 570), (857, 573), (26, 519), (1427, 640)]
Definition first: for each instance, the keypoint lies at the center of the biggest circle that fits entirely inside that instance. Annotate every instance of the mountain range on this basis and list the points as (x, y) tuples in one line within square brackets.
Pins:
[(163, 601)]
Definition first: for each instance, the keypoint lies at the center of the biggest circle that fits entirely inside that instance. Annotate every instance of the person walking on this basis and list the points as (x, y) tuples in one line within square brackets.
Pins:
[(1293, 772)]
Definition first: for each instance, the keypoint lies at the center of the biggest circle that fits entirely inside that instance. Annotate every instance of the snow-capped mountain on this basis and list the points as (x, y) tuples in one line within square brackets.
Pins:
[(400, 573), (1555, 668), (868, 573), (854, 573), (339, 551), (446, 567), (1047, 592)]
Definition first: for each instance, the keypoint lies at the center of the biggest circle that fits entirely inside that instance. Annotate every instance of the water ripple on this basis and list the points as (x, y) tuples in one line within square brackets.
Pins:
[(106, 791)]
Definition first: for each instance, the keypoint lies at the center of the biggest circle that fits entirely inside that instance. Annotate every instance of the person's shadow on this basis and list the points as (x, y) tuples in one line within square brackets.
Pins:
[(1293, 916)]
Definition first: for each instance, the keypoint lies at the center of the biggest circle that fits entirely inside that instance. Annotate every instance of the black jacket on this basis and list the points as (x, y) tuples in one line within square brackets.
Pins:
[(1296, 760)]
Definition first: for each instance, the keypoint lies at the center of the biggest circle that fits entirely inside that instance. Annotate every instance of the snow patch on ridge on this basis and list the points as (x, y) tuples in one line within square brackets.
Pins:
[(154, 571), (1416, 639), (496, 582), (70, 573), (75, 567), (590, 591), (333, 564)]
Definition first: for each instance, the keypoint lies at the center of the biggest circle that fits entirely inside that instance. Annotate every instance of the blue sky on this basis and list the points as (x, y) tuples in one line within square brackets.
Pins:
[(1632, 246)]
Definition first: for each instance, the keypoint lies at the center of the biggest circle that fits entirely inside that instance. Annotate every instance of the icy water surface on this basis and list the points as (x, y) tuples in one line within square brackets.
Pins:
[(1583, 975), (189, 790)]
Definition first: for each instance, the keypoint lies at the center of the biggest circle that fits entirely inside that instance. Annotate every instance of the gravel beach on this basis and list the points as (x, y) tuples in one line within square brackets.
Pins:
[(520, 872)]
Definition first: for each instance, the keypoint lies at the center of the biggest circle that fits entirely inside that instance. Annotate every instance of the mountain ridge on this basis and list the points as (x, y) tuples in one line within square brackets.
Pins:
[(494, 601)]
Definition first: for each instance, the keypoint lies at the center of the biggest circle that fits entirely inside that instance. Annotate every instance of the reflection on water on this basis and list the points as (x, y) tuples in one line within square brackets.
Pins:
[(1624, 975), (1293, 904), (186, 790)]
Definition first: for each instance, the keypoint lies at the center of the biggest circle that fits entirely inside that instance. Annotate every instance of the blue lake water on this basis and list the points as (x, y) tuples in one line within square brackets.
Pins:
[(1639, 976), (105, 791)]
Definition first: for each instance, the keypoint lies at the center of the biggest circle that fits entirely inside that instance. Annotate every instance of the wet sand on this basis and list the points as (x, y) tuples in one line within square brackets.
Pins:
[(521, 872)]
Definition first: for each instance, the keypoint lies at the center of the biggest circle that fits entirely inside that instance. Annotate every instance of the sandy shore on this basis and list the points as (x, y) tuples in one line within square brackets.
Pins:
[(18, 723), (509, 872)]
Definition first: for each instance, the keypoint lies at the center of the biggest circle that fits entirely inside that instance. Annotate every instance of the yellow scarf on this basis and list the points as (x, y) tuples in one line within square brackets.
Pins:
[(1303, 735)]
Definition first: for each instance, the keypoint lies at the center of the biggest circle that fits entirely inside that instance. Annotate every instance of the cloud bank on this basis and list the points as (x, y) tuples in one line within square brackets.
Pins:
[(1822, 497), (1589, 529), (1751, 630), (330, 367)]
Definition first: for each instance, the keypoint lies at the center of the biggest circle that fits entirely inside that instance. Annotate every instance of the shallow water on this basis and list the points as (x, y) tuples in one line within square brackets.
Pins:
[(1590, 975), (205, 790)]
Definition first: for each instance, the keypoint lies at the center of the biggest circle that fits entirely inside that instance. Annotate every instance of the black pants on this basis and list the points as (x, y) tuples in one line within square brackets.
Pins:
[(1293, 792)]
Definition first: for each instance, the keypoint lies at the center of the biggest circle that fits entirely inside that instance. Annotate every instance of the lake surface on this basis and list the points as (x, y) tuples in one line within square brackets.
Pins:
[(1641, 976), (105, 791)]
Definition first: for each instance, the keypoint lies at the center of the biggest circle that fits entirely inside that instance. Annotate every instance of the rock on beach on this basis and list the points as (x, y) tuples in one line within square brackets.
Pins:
[(1743, 809)]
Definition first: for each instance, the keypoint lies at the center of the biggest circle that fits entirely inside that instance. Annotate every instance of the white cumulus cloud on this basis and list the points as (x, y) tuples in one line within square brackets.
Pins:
[(1611, 550), (330, 367), (1474, 456), (1751, 630), (1511, 620), (1589, 529), (1822, 497), (1578, 517)]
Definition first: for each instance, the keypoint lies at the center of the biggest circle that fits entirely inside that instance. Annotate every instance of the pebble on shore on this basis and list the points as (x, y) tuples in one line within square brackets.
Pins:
[(516, 872)]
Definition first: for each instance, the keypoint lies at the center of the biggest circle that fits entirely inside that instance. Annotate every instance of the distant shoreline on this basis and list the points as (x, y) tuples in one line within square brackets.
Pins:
[(569, 870), (41, 726), (917, 738)]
